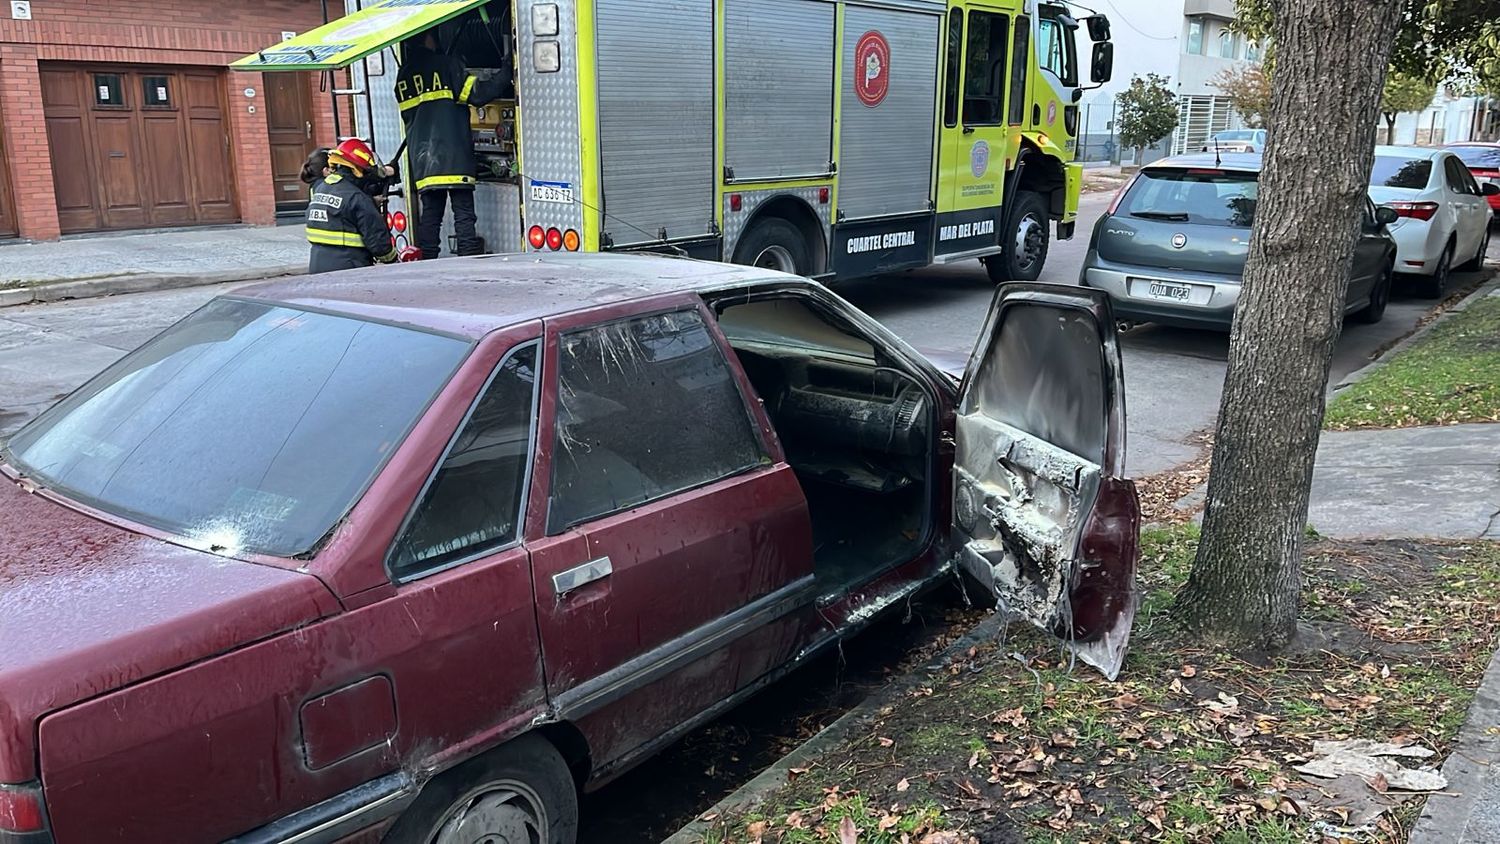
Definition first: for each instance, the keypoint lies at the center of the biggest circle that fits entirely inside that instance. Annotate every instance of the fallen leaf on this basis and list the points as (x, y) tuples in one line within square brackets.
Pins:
[(969, 788), (756, 831), (887, 822), (793, 773), (848, 833), (903, 785), (1189, 671), (887, 742), (1380, 783), (796, 821)]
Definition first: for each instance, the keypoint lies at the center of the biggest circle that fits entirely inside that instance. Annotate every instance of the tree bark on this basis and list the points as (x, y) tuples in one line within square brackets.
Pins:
[(1243, 591)]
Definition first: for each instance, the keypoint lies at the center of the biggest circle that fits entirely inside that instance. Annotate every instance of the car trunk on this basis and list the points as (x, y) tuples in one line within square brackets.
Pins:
[(87, 607), (1195, 219)]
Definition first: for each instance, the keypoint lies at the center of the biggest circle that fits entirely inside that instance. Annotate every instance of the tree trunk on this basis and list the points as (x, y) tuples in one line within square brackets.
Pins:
[(1331, 57)]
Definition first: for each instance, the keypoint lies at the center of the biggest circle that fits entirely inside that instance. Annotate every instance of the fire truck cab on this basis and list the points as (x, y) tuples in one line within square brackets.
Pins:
[(826, 138)]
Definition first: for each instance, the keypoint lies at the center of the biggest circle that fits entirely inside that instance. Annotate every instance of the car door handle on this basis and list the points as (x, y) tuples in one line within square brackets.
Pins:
[(566, 581)]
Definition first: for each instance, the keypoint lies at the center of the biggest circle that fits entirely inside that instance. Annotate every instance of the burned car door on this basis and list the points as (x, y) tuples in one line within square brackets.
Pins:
[(1043, 515)]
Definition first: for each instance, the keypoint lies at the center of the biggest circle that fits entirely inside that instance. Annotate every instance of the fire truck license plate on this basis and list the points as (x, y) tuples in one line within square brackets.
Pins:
[(560, 194)]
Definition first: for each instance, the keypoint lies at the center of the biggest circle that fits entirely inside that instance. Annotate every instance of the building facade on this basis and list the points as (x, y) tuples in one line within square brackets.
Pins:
[(1187, 42), (124, 115)]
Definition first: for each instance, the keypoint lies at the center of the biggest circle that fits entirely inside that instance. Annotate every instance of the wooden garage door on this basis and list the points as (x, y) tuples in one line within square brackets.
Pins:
[(138, 147)]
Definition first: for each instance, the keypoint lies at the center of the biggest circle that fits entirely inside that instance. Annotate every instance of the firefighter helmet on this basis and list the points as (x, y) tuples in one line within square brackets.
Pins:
[(353, 153)]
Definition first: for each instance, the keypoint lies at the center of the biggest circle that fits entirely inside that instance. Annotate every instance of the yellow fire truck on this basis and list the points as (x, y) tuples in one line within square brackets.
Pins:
[(829, 138)]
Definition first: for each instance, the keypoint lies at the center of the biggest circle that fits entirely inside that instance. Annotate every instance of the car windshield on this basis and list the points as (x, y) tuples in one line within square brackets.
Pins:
[(245, 427), (1392, 171), (1477, 157), (1205, 196)]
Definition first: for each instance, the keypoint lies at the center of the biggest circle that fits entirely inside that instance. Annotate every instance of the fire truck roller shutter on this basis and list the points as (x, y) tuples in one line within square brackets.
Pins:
[(656, 118), (886, 131), (778, 79)]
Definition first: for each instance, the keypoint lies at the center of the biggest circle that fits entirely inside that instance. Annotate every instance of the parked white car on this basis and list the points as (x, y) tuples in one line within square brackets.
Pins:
[(1237, 140), (1444, 214)]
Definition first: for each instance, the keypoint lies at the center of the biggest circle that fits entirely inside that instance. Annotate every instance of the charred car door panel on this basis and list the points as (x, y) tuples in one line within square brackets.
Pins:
[(1042, 514)]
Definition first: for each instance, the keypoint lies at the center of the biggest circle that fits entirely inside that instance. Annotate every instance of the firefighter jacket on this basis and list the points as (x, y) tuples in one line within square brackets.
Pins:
[(435, 91), (345, 228)]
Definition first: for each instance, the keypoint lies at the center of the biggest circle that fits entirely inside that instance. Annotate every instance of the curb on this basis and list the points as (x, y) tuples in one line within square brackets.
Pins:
[(1447, 816), (1484, 289), (755, 792), (141, 283)]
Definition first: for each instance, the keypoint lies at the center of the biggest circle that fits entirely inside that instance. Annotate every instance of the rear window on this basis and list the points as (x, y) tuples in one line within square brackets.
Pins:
[(1396, 172), (1208, 197), (245, 427), (1478, 158)]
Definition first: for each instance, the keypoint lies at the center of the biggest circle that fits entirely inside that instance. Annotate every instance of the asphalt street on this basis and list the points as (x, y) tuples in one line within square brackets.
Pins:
[(1172, 376)]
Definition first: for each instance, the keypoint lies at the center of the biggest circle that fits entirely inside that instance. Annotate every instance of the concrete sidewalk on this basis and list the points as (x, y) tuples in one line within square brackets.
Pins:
[(104, 265)]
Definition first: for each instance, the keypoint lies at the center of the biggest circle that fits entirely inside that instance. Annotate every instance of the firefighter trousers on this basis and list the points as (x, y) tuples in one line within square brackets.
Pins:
[(430, 226)]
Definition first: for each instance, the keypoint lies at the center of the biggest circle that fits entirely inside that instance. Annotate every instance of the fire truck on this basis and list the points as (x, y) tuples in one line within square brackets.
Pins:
[(826, 138)]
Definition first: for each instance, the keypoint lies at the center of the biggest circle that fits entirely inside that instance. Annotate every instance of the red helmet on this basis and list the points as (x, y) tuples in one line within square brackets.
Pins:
[(353, 153)]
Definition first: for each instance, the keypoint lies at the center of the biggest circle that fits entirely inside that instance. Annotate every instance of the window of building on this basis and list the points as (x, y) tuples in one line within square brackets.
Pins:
[(1252, 50), (984, 81), (1228, 44), (1195, 37), (954, 67), (156, 91), (1021, 50), (646, 407), (474, 502), (108, 91)]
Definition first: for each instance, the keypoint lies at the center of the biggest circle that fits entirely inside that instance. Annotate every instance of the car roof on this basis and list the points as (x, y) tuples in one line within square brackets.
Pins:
[(1410, 151), (471, 297), (1246, 161)]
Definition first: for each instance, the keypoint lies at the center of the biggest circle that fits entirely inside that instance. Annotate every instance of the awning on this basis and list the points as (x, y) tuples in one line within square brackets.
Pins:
[(347, 40)]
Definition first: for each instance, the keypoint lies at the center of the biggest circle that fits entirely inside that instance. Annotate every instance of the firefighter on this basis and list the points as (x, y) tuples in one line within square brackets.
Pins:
[(315, 168), (345, 228), (435, 91)]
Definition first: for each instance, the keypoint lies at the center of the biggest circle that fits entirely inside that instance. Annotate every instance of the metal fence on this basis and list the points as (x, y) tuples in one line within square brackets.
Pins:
[(1099, 136)]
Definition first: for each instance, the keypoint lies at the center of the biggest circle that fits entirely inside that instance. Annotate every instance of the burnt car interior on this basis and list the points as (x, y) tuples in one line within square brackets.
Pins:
[(856, 429)]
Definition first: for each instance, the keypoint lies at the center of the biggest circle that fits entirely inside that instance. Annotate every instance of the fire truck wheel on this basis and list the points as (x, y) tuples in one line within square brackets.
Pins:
[(774, 244), (1026, 242)]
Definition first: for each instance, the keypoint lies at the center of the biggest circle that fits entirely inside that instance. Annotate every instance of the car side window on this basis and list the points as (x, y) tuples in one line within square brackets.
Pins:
[(646, 407), (473, 503), (1457, 181)]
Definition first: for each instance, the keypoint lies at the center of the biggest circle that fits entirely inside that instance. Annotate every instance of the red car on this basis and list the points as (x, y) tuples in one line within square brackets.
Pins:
[(1483, 160), (413, 554)]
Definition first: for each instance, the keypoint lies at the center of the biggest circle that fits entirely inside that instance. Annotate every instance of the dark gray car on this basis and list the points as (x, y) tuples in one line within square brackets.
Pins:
[(1172, 246)]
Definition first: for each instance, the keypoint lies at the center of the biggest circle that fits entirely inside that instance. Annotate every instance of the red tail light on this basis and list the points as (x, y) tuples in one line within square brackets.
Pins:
[(537, 237), (21, 809), (1414, 210), (398, 221), (554, 239), (1115, 203)]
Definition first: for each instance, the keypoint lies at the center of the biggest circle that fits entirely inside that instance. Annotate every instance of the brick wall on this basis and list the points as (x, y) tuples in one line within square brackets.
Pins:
[(169, 32)]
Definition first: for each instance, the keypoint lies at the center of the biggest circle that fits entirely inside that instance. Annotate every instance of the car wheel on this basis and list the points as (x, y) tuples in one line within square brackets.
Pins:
[(1025, 243), (1477, 263), (1380, 296), (519, 793), (1436, 285), (774, 244)]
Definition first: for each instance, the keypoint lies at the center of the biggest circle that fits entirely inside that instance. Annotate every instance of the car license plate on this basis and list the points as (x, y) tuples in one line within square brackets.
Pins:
[(560, 194), (1168, 290)]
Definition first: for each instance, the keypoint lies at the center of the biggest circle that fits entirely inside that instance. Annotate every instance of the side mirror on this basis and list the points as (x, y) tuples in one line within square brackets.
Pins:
[(1489, 189), (1098, 27), (1104, 62), (1386, 215)]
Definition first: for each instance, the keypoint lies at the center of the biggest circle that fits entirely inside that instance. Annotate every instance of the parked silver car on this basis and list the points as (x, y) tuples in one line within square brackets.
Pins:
[(1172, 246)]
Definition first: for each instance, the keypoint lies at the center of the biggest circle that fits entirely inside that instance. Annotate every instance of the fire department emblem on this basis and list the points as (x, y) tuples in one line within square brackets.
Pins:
[(979, 159), (872, 68)]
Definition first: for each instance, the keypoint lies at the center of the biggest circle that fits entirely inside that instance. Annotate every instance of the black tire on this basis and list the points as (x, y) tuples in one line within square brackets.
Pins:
[(1435, 286), (775, 244), (1025, 241), (1476, 264), (1380, 296), (518, 789)]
